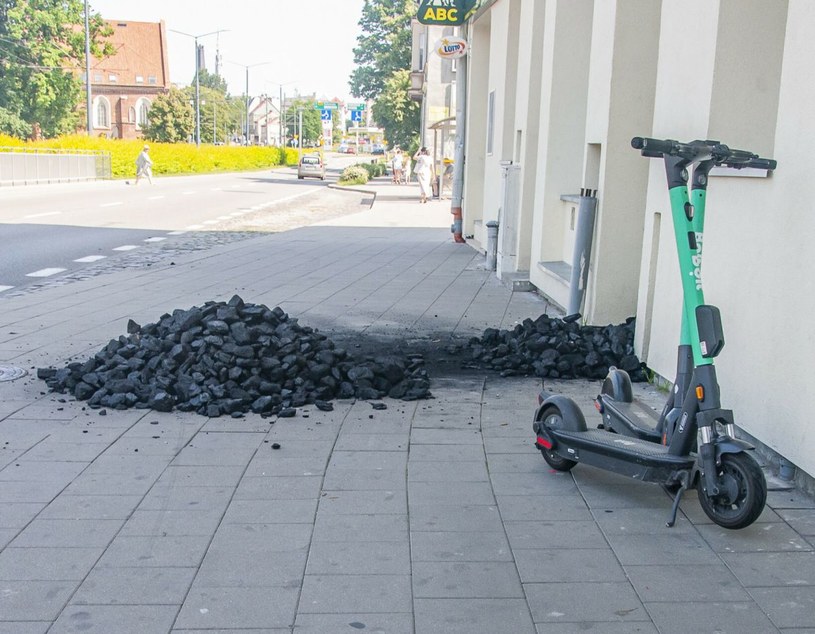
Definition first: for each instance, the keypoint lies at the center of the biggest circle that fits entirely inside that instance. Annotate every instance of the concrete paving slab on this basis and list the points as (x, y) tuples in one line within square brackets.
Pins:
[(361, 528), (585, 565), (155, 551), (45, 533), (675, 618), (683, 583), (556, 603), (464, 616), (135, 586), (238, 608), (349, 594), (47, 564), (460, 546), (351, 623), (359, 558), (33, 601)]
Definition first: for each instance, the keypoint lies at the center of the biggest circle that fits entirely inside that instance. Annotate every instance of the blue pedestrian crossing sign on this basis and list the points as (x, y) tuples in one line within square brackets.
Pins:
[(325, 115), (356, 116)]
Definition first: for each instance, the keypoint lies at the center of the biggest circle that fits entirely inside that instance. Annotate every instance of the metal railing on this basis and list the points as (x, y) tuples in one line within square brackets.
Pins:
[(30, 166)]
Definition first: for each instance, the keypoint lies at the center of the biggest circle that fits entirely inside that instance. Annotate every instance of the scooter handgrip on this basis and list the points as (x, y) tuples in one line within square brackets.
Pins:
[(653, 146), (763, 164)]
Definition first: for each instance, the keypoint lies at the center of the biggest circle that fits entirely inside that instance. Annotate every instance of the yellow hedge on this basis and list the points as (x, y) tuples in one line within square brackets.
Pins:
[(169, 158)]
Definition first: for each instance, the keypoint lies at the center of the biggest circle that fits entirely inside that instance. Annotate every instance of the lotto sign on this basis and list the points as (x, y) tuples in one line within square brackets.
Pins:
[(446, 12), (451, 47)]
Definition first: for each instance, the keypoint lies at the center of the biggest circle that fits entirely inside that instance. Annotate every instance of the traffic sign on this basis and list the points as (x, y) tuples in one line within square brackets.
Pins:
[(357, 106), (326, 105), (356, 116), (325, 115)]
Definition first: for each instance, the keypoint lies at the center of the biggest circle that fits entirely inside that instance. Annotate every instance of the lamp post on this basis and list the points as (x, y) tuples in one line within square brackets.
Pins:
[(197, 87), (88, 71), (247, 67), (280, 113)]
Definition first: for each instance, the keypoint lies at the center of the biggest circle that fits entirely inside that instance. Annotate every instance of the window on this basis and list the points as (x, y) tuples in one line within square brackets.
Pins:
[(112, 78), (139, 79), (131, 115), (97, 77), (102, 113), (151, 79), (142, 110), (490, 122)]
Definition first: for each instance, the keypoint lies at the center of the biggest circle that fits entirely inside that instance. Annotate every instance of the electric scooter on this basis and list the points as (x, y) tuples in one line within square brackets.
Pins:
[(693, 442)]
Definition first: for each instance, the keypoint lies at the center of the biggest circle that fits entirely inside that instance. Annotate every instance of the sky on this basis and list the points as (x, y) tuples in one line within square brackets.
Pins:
[(308, 44)]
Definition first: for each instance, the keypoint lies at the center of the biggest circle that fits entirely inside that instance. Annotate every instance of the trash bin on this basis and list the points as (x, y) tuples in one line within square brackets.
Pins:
[(435, 186)]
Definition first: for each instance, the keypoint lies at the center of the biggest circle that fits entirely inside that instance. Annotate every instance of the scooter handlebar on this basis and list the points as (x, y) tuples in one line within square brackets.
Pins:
[(720, 153)]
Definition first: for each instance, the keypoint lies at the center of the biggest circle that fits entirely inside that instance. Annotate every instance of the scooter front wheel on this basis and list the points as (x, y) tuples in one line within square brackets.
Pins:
[(743, 492), (553, 417)]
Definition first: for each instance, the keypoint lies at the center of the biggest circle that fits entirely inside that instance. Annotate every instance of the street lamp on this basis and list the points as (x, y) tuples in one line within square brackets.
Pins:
[(247, 67), (197, 88), (88, 71), (280, 115)]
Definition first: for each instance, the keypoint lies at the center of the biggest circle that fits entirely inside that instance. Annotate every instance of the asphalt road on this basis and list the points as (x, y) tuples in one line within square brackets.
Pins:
[(51, 230)]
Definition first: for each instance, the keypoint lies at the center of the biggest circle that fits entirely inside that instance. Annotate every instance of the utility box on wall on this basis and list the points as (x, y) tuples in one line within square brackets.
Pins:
[(508, 218)]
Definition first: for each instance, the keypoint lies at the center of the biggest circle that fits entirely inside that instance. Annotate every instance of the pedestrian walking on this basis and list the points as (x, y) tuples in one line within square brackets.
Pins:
[(406, 170), (423, 168), (144, 165), (397, 163)]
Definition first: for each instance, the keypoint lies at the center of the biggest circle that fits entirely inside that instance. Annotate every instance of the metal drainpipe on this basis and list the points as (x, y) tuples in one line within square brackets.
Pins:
[(491, 257), (458, 159)]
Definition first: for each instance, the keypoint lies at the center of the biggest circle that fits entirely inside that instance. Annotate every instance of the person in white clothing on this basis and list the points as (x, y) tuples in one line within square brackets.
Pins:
[(144, 166), (423, 168)]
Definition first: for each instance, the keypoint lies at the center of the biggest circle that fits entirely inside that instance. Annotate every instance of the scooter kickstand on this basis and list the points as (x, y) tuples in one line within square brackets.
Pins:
[(685, 480)]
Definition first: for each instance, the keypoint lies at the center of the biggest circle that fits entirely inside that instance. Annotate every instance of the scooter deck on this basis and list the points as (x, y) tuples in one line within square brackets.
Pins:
[(616, 446), (616, 413)]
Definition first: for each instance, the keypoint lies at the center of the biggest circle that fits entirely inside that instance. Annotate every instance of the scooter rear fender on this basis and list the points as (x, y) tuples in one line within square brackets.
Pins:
[(573, 419)]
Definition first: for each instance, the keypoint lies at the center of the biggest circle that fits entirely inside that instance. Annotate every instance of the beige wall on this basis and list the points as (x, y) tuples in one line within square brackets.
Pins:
[(590, 74)]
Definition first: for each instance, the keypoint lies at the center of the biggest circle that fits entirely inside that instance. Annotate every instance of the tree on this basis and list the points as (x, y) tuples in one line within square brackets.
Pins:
[(312, 123), (399, 116), (42, 51), (216, 108), (383, 45), (171, 118), (210, 80), (13, 125)]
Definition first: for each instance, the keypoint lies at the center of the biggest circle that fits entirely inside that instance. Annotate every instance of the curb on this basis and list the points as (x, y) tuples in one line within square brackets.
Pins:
[(354, 189)]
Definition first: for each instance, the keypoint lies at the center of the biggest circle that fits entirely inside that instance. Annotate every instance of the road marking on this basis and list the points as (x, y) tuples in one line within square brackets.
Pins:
[(112, 204), (5, 288), (91, 258), (177, 233), (45, 272), (194, 227), (127, 247), (156, 239), (210, 222), (47, 213), (155, 197)]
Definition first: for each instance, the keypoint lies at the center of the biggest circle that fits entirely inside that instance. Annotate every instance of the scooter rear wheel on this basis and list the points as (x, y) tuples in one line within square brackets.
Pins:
[(553, 417), (744, 492)]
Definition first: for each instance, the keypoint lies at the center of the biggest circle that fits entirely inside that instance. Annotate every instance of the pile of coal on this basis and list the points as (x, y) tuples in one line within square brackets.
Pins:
[(230, 358), (557, 348)]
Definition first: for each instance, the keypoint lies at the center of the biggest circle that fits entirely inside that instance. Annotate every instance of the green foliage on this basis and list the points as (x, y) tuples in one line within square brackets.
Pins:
[(13, 125), (42, 51), (171, 118), (399, 116), (312, 124), (216, 107), (170, 158), (209, 80), (383, 45), (354, 175), (373, 169)]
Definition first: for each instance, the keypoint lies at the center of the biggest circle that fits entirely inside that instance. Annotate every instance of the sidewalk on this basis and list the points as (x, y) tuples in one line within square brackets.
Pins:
[(434, 516)]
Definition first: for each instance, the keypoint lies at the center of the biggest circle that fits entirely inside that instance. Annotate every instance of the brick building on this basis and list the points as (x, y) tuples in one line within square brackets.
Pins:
[(124, 85)]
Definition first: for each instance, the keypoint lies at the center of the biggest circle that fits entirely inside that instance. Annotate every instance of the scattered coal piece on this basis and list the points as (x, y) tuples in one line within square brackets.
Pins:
[(229, 359), (556, 348)]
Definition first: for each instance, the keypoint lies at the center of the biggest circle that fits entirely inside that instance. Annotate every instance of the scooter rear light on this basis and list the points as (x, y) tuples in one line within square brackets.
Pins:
[(543, 442), (700, 393)]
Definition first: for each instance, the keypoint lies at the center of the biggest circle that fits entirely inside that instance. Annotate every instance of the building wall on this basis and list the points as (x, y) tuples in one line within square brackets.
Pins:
[(594, 73)]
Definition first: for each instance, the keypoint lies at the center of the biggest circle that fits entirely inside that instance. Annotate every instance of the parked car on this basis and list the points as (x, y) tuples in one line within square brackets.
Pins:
[(347, 149), (378, 148), (312, 166)]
